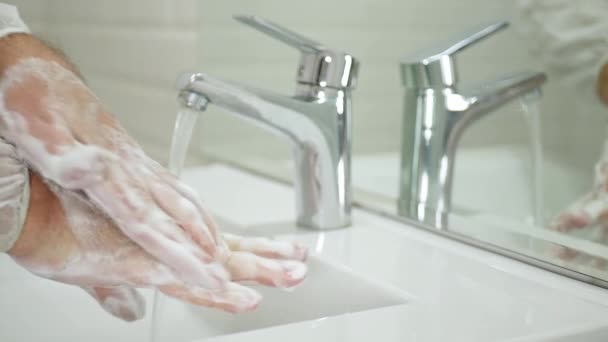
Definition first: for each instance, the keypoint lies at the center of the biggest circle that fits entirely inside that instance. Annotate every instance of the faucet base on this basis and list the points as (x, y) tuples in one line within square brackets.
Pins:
[(422, 213), (306, 224)]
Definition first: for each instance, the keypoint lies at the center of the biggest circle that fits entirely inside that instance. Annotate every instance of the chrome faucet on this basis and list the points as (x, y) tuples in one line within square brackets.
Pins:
[(317, 120), (435, 115)]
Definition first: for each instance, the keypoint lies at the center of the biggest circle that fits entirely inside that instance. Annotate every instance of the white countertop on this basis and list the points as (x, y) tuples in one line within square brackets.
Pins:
[(460, 293), (454, 292)]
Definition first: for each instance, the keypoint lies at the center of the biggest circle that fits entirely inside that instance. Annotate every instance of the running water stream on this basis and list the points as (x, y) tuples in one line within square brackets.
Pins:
[(531, 112), (182, 134)]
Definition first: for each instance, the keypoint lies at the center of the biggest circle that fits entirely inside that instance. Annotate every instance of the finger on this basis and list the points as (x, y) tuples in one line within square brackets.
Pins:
[(586, 212), (564, 253), (122, 302), (186, 214), (572, 220), (266, 247), (600, 264), (191, 195), (185, 260), (234, 298), (149, 227), (245, 266)]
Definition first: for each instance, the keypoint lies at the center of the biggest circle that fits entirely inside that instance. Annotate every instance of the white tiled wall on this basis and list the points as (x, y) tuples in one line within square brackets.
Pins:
[(131, 51)]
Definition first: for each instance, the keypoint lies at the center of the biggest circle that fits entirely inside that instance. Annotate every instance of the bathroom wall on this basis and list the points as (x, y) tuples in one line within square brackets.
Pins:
[(131, 52)]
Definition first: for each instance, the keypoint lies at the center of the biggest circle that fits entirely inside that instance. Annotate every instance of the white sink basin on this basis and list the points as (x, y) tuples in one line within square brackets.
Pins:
[(329, 290), (38, 310)]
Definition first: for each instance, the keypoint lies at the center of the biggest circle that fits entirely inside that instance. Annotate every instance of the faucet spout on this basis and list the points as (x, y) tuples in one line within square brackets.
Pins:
[(491, 96), (495, 94), (316, 121), (434, 121)]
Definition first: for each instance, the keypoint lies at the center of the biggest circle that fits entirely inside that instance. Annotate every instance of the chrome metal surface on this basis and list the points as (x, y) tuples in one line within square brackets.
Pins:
[(435, 115), (319, 65), (317, 120), (436, 66), (192, 100)]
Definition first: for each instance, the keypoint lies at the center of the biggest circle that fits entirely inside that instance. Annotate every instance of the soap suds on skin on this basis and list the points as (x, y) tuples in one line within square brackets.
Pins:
[(61, 130), (278, 273), (266, 247)]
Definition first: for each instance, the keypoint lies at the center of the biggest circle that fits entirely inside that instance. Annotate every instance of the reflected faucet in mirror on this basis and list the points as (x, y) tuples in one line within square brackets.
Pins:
[(436, 113), (317, 120)]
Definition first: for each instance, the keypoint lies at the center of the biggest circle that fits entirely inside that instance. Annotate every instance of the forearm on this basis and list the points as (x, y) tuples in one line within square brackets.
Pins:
[(18, 195), (19, 46), (42, 225)]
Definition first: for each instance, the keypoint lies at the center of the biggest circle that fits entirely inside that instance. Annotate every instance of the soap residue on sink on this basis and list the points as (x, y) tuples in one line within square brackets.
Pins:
[(531, 113)]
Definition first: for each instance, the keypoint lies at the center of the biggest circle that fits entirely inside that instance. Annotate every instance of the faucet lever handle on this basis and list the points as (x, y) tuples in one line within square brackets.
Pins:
[(456, 43), (435, 66), (319, 65), (281, 33)]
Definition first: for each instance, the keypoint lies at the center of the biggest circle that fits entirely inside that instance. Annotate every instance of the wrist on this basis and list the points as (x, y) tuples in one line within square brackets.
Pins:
[(45, 236), (35, 216)]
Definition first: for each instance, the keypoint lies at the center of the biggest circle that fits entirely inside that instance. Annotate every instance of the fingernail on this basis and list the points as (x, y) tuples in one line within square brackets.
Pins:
[(295, 269), (242, 299), (294, 274)]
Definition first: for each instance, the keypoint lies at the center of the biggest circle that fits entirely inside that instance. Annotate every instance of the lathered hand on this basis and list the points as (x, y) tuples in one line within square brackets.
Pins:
[(66, 239), (115, 217), (591, 211)]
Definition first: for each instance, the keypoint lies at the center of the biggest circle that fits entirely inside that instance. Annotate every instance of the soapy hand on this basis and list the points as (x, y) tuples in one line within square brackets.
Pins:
[(125, 220), (62, 130), (66, 239)]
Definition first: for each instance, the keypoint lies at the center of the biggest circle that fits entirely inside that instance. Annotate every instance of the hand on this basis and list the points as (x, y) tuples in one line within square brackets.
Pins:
[(140, 226), (68, 240), (592, 209), (588, 212), (62, 130)]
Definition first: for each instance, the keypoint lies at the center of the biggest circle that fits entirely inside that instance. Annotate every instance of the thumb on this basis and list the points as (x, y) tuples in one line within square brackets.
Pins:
[(120, 301)]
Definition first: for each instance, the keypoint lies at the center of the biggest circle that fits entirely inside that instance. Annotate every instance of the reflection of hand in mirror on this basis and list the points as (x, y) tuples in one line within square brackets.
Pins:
[(591, 211), (568, 37)]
